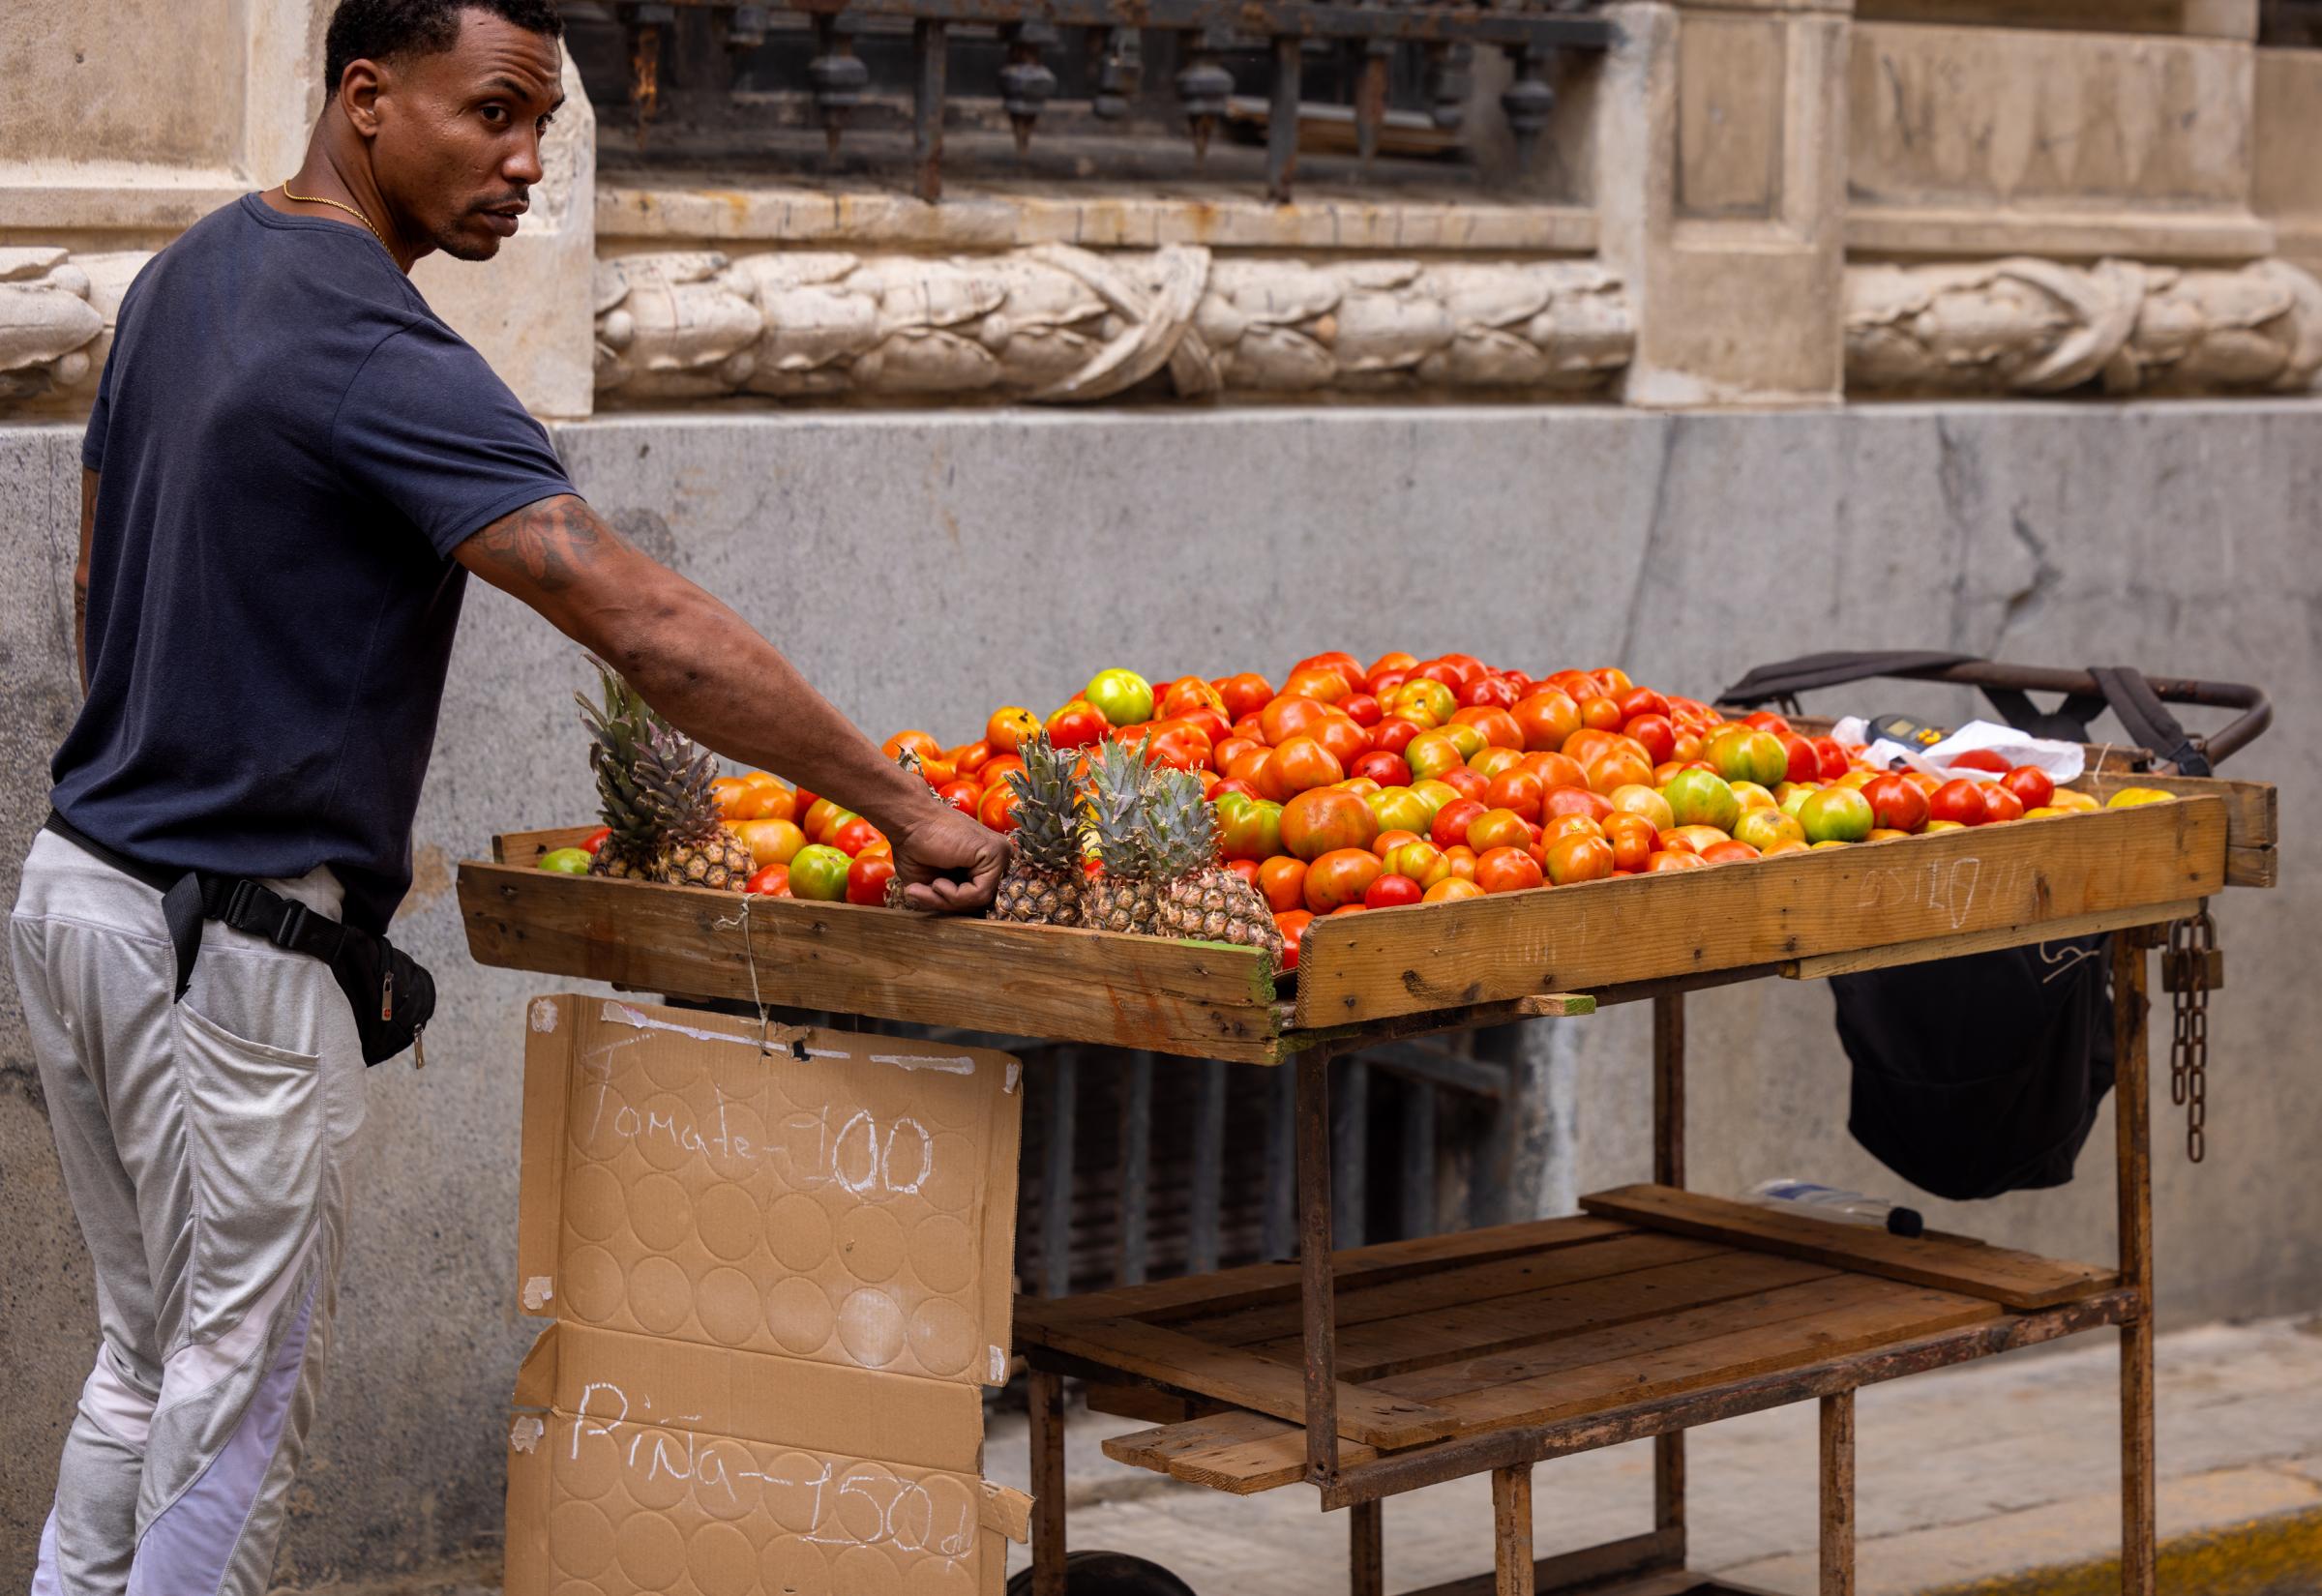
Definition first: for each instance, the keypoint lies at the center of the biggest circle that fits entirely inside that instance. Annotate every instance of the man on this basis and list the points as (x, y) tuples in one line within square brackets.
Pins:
[(292, 467)]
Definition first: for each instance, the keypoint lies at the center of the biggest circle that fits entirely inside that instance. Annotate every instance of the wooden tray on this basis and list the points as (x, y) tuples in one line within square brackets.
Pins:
[(1654, 1297), (1386, 973)]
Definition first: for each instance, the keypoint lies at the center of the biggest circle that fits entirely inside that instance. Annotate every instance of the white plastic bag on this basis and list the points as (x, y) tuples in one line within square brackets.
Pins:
[(2062, 761)]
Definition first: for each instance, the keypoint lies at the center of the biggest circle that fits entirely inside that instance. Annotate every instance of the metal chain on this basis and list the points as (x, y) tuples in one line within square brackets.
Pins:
[(2191, 942)]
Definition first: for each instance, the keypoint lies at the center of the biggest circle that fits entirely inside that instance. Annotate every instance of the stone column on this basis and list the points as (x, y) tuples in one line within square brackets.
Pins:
[(2288, 184), (1723, 187)]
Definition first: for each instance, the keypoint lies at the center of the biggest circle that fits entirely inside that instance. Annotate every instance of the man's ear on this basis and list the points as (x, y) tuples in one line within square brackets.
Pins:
[(359, 96)]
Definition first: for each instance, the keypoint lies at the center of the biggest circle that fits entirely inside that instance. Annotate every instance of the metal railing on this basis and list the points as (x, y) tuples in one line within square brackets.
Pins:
[(1530, 34)]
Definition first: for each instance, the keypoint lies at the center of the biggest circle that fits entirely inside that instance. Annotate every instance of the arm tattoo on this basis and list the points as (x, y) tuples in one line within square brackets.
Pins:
[(553, 545)]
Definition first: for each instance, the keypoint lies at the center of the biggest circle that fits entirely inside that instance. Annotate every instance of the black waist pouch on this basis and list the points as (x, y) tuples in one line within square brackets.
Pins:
[(1982, 1075), (392, 993)]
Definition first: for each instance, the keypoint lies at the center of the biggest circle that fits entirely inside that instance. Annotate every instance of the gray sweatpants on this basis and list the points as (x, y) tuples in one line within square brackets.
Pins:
[(205, 1147)]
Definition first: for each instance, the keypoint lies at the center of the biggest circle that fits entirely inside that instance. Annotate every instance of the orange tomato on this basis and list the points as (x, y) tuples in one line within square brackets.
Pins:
[(1518, 789), (1340, 877), (1633, 837), (731, 791), (1588, 743), (1289, 716), (969, 757), (1468, 784), (1324, 819), (1292, 927), (1387, 841), (1701, 838), (1676, 861), (1616, 680), (1009, 726), (997, 770), (1580, 858), (1462, 860), (766, 802), (1496, 761), (1555, 770), (1282, 882), (770, 881), (1603, 714), (770, 842), (1507, 869), (997, 811), (1573, 825), (760, 779), (1728, 853), (1500, 727), (1246, 764), (918, 743), (1617, 768), (1576, 801), (1641, 800), (1299, 765), (1190, 693), (1244, 695), (1498, 828), (1346, 740), (1547, 718), (1326, 686), (1393, 659), (1450, 890), (1335, 659)]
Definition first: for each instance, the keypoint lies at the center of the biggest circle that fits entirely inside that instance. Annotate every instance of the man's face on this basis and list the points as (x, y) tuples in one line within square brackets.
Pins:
[(458, 144)]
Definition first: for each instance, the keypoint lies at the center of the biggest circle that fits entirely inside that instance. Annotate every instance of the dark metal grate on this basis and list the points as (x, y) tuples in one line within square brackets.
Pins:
[(1300, 74)]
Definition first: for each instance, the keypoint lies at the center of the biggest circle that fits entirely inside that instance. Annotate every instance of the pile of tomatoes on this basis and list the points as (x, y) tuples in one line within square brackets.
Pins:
[(1352, 788)]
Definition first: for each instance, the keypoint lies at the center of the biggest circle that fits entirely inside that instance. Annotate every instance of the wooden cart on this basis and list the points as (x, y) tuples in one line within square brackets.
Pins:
[(1383, 1369)]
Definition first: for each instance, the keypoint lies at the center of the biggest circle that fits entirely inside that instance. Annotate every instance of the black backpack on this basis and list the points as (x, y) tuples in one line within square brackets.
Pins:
[(1983, 1074)]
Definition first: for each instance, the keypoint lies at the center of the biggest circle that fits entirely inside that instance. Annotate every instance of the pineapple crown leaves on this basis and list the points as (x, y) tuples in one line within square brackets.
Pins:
[(1185, 827), (1048, 805), (652, 780), (1119, 822)]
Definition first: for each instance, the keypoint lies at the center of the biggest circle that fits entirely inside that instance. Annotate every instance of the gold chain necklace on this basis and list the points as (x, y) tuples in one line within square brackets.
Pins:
[(317, 199)]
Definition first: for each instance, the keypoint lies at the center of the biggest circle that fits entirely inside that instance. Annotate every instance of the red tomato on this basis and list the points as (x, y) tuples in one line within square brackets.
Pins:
[(1341, 877), (1500, 727), (996, 770), (1642, 701), (1251, 727), (1392, 660), (1393, 734), (1324, 820), (773, 881), (1244, 695), (1580, 857), (1385, 682), (2031, 785), (1293, 925), (2000, 803), (1386, 769), (1961, 800), (1450, 828), (1296, 766), (867, 881), (1288, 716), (1246, 868), (1508, 870), (1282, 882), (1335, 659), (854, 835), (1576, 800), (1077, 724), (998, 809), (1548, 718), (1361, 708), (1346, 741), (1392, 892), (1655, 733), (1488, 692), (1980, 758), (1517, 789), (1224, 752), (1806, 765), (595, 840), (1228, 786), (1498, 828), (1214, 727), (1181, 748), (961, 795), (1326, 686), (1895, 804), (1728, 853), (1832, 758), (1466, 781), (1766, 720), (1464, 668)]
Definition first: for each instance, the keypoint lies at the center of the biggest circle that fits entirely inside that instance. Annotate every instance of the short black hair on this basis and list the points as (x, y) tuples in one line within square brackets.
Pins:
[(380, 30)]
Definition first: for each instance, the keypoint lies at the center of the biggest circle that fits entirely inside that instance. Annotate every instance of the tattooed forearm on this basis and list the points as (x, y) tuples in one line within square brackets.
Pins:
[(550, 545)]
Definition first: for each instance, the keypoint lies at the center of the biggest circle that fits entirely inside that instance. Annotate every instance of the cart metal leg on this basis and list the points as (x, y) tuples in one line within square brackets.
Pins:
[(1366, 1549), (1316, 1283), (2129, 1089), (1511, 1531), (1669, 1169), (1047, 1394), (1838, 1495)]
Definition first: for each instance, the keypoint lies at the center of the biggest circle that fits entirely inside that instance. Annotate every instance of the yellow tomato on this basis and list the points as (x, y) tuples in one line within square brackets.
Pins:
[(770, 842), (2139, 797), (1754, 796)]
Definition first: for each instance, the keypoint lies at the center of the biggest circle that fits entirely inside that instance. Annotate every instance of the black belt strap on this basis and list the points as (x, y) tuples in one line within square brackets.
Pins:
[(191, 897)]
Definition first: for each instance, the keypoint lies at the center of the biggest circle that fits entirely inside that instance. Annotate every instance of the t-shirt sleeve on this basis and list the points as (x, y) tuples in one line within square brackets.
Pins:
[(431, 430), (101, 415)]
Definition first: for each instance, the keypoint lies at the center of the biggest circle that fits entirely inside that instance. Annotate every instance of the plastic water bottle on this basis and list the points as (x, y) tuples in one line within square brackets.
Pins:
[(1819, 1201)]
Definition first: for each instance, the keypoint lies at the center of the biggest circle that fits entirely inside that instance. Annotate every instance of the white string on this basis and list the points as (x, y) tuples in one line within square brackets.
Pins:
[(766, 1021)]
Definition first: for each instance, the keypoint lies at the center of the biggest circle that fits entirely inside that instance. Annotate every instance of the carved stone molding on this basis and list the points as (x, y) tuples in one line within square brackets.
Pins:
[(1057, 323), (56, 319), (2028, 326)]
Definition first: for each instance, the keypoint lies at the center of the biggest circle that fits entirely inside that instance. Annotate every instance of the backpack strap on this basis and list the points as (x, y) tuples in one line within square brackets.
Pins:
[(2148, 721), (1790, 678)]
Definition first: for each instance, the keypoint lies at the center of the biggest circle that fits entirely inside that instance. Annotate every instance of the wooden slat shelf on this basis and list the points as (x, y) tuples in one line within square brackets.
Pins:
[(1399, 972), (1561, 1327)]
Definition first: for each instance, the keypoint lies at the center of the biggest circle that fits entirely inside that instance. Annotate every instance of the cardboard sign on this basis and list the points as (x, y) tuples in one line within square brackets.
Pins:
[(779, 1262)]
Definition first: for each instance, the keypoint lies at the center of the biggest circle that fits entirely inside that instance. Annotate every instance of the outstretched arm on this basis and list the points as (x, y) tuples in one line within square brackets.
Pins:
[(717, 680)]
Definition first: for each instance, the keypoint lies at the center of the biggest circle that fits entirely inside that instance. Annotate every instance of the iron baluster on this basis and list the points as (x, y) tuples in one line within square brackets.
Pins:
[(1025, 84), (1528, 103), (745, 28), (1282, 119), (1204, 86), (1120, 72), (837, 74), (1370, 97), (930, 49), (1448, 79)]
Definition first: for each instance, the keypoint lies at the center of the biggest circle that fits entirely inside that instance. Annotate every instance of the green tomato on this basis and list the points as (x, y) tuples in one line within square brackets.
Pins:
[(564, 861), (1702, 798), (819, 872), (1122, 698), (1399, 809), (1742, 755), (1837, 814)]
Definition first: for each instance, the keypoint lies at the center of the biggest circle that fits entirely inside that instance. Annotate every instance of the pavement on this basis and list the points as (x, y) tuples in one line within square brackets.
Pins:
[(1997, 1479)]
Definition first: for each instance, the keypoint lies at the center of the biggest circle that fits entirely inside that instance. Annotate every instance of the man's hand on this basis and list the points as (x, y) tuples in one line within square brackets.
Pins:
[(939, 845)]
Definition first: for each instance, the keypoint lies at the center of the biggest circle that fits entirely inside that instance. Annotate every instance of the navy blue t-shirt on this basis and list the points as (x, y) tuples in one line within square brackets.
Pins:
[(291, 444)]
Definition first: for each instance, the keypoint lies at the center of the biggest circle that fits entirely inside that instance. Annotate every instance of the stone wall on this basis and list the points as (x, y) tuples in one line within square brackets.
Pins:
[(923, 568)]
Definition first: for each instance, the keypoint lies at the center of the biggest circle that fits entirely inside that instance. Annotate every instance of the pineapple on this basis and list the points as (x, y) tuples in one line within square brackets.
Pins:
[(1126, 896), (653, 787), (1043, 883), (619, 730), (1200, 898)]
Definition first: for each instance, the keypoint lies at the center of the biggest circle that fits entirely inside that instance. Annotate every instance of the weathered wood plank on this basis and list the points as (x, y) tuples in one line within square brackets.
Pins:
[(1997, 1274), (1857, 959), (1225, 1290), (1195, 998), (1465, 1285), (1371, 966), (1243, 1380), (2253, 809)]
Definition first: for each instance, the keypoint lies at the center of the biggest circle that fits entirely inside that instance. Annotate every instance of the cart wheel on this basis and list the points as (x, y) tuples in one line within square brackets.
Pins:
[(1109, 1574)]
